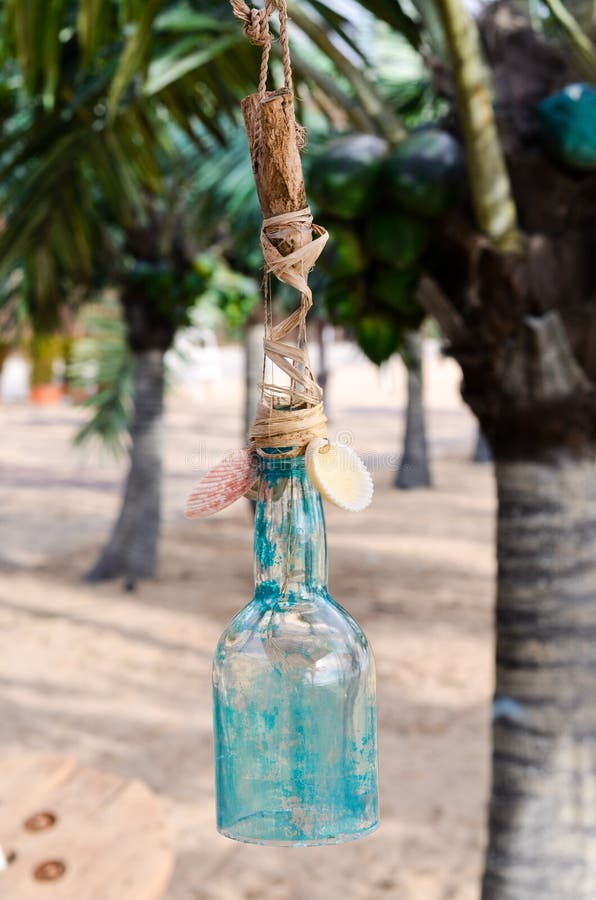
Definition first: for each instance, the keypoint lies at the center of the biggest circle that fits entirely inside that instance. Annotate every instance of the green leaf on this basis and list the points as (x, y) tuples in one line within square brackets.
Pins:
[(181, 18), (391, 12), (164, 72), (135, 55), (92, 27), (102, 364)]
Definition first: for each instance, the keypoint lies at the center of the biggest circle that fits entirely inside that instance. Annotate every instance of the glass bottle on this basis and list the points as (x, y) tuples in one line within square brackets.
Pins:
[(294, 687)]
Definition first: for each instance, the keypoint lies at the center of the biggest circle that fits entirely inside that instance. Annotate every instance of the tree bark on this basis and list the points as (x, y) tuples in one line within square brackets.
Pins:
[(131, 551), (542, 841), (414, 468)]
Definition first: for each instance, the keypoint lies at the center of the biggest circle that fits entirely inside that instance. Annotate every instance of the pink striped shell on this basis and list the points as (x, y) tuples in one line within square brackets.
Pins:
[(225, 483)]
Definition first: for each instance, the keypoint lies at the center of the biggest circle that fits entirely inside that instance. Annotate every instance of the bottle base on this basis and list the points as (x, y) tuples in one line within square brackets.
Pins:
[(247, 832)]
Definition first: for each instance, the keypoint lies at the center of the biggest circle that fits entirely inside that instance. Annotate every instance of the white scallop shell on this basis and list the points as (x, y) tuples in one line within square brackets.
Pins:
[(339, 474)]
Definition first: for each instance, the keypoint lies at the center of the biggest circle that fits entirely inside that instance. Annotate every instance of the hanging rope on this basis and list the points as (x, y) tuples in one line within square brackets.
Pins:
[(256, 28), (287, 415)]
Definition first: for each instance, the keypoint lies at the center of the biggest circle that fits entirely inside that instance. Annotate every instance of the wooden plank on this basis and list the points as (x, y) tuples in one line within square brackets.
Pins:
[(111, 835), (21, 770)]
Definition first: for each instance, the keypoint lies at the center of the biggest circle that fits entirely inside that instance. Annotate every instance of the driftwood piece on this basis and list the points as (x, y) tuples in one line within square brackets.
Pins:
[(276, 158)]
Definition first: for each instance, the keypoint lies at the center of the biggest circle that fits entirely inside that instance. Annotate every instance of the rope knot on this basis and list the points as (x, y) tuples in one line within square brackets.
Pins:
[(255, 24), (256, 28), (255, 21)]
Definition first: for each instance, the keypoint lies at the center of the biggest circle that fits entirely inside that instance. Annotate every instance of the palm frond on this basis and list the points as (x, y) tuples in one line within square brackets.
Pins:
[(135, 57), (101, 365), (583, 48)]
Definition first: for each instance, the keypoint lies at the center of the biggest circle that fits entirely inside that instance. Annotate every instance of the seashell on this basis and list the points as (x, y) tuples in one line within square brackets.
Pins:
[(339, 474), (225, 483)]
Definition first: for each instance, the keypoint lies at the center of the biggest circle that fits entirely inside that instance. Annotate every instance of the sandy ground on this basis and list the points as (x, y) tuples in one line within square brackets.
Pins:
[(122, 680)]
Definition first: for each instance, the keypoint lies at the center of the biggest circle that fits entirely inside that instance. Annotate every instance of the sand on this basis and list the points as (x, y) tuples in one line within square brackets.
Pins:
[(122, 680)]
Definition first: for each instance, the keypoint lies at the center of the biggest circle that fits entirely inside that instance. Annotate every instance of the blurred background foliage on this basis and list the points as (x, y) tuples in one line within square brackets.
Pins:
[(107, 106), (124, 169), (100, 373), (123, 163), (101, 363)]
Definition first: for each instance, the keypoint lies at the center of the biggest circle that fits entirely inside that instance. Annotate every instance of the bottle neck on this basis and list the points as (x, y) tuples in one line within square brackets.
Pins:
[(290, 539)]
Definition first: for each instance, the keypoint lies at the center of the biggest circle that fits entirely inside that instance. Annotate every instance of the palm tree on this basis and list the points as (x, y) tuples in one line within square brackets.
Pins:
[(516, 300), (157, 289)]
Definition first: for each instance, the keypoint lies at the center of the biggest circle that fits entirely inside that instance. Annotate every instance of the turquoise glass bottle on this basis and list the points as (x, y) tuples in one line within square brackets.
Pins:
[(294, 687)]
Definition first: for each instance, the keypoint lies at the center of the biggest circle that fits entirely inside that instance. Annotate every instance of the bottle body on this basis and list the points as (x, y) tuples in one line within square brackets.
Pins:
[(294, 692)]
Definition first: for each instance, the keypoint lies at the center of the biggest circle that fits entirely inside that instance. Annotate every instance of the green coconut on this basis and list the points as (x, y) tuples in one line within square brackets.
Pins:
[(378, 336), (396, 290), (344, 255), (568, 120), (398, 239), (343, 176), (425, 173), (343, 301)]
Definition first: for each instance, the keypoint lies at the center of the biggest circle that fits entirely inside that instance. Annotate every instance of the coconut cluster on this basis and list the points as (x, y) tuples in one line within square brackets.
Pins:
[(380, 205)]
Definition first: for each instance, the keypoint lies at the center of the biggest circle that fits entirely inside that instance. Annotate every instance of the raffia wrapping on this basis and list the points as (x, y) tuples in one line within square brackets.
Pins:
[(290, 416)]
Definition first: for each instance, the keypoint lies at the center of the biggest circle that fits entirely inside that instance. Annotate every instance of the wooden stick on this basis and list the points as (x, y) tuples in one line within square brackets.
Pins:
[(271, 130)]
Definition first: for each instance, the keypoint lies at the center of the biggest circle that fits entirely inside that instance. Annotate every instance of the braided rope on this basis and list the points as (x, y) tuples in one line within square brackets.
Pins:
[(255, 24), (255, 21)]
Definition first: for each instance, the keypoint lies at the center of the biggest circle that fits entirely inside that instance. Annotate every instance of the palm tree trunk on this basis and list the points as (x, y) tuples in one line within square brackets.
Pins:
[(131, 551), (324, 339), (542, 840), (528, 378), (253, 371), (482, 452), (414, 468)]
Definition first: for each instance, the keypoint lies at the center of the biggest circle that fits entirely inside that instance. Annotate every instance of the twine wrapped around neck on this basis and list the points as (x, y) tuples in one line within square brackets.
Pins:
[(290, 415)]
